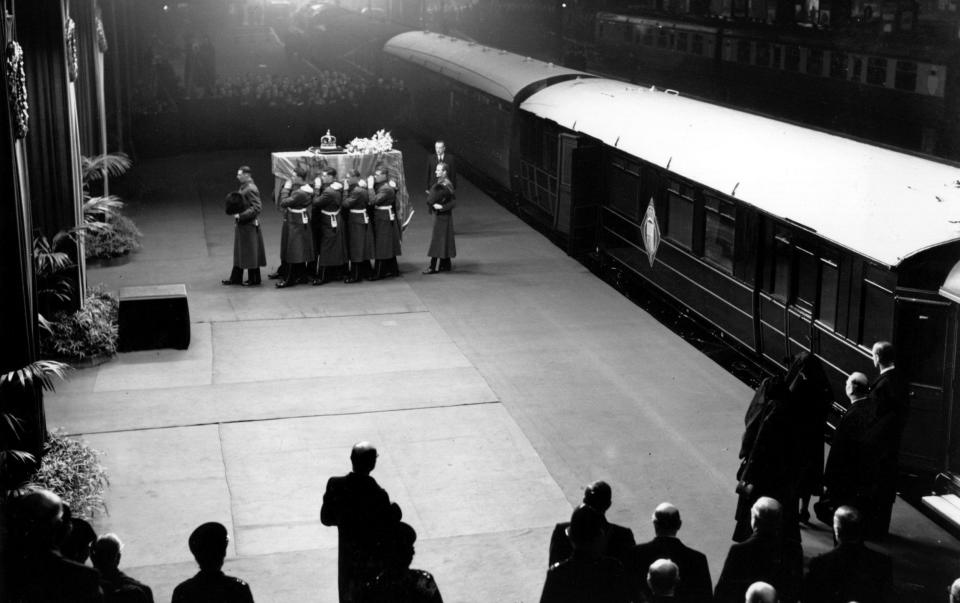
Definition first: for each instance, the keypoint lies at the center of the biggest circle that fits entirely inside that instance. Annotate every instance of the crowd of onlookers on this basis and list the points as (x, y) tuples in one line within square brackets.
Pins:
[(324, 88)]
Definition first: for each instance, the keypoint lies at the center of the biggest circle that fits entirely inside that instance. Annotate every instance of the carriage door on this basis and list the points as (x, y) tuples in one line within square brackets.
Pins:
[(568, 144), (586, 179), (787, 304), (925, 333)]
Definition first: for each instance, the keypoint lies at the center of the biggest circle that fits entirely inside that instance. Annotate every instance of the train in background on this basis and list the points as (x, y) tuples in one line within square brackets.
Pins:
[(783, 238), (902, 93)]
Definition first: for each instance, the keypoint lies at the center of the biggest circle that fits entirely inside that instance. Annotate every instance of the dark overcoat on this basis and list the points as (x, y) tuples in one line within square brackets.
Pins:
[(297, 245), (360, 228), (386, 221), (432, 162), (248, 251), (364, 516), (328, 230), (442, 243)]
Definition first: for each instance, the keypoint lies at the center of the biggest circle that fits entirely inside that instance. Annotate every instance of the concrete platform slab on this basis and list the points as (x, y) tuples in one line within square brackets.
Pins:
[(153, 369)]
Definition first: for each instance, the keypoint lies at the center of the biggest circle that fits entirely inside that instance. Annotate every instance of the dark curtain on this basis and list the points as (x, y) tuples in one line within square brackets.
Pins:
[(84, 14), (119, 72)]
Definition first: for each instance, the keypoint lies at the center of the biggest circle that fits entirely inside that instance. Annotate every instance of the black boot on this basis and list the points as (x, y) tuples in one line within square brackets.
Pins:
[(445, 265), (253, 278), (354, 275), (432, 268), (292, 277), (377, 270), (321, 278), (281, 270), (236, 277)]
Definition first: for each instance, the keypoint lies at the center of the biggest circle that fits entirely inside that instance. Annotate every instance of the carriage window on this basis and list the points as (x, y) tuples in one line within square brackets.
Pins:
[(624, 188), (781, 268), (763, 54), (906, 77), (806, 279), (680, 213), (682, 38), (829, 289), (647, 36), (877, 71), (697, 47), (876, 313), (857, 69), (792, 60), (815, 61), (838, 65), (743, 51), (777, 54), (721, 218), (663, 38)]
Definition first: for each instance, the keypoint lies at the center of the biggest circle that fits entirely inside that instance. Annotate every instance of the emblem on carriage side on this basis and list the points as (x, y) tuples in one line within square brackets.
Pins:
[(651, 232)]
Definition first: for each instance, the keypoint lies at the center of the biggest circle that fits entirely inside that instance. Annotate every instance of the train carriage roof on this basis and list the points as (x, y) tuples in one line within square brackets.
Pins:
[(496, 72), (879, 203)]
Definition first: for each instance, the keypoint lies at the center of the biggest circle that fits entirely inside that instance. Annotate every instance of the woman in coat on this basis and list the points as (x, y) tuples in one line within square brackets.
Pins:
[(296, 198), (440, 202)]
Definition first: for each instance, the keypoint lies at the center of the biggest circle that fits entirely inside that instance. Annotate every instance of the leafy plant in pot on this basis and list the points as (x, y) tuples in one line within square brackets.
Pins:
[(107, 233)]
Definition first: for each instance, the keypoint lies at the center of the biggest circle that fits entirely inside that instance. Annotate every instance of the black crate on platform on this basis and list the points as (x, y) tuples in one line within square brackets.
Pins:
[(153, 317)]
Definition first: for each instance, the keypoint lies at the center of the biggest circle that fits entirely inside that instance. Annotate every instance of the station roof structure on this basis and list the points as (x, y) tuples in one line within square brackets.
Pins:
[(497, 72), (880, 203)]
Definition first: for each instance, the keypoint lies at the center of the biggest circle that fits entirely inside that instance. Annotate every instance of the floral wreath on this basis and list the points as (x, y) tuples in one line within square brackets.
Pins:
[(17, 88), (73, 67), (101, 36)]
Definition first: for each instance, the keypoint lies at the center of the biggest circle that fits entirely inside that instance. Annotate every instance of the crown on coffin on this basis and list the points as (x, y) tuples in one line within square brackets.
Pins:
[(328, 141)]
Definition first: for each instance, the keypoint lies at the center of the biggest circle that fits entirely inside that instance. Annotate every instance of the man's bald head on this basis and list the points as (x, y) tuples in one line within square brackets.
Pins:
[(883, 354), (662, 577), (955, 591), (42, 512), (761, 592), (364, 457), (858, 386), (765, 515), (666, 519), (847, 526)]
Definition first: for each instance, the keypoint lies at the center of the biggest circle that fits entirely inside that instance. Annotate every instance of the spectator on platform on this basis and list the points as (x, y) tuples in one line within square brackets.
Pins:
[(42, 573), (810, 393), (365, 519), (764, 557), (117, 587), (208, 543), (296, 242), (618, 540), (441, 199), (78, 539), (889, 392), (761, 592), (397, 582), (695, 583), (441, 155), (851, 571), (663, 577), (248, 251), (587, 575)]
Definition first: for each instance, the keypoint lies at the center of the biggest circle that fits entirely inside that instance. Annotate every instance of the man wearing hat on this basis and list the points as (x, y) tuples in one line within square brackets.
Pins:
[(618, 541), (208, 543), (248, 252)]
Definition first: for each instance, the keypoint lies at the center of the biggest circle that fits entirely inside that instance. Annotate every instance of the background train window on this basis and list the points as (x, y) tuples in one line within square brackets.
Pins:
[(624, 185), (720, 223), (782, 263), (839, 65), (857, 69), (763, 54), (697, 47), (743, 51), (829, 290), (814, 61), (663, 38), (906, 76), (791, 61), (680, 213), (876, 313), (877, 71), (807, 277), (777, 54), (682, 41), (647, 35)]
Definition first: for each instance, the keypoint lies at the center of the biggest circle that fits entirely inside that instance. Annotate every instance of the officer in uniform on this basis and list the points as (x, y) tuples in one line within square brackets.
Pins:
[(440, 202), (386, 225), (359, 227), (296, 246), (208, 543), (327, 228), (248, 252)]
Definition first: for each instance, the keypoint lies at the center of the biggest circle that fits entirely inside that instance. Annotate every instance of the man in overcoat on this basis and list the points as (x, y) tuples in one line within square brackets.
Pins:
[(248, 252), (296, 198), (386, 225), (328, 230), (356, 203), (695, 583), (441, 155), (440, 202), (365, 520)]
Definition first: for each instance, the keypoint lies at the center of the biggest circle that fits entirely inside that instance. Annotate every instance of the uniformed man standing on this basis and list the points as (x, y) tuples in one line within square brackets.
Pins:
[(248, 252), (327, 228), (440, 202), (360, 229), (386, 225), (296, 248)]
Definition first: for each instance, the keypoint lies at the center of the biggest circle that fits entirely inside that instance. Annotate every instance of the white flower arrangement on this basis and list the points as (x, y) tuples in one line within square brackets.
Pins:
[(381, 142)]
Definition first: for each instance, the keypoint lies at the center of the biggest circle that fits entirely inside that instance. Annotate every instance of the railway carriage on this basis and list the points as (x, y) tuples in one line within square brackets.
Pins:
[(783, 238)]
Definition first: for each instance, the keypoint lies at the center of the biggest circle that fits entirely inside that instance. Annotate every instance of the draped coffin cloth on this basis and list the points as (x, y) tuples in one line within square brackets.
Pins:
[(283, 164)]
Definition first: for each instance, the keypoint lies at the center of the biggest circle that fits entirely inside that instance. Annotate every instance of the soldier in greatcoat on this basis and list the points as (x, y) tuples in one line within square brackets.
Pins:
[(248, 252), (296, 198), (356, 203), (440, 202), (386, 225), (328, 230)]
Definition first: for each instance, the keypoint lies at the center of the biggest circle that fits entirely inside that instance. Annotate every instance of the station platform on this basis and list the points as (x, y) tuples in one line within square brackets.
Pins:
[(494, 394)]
